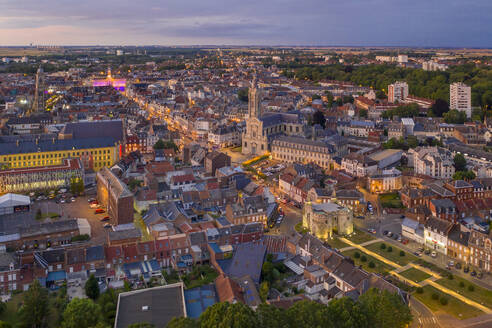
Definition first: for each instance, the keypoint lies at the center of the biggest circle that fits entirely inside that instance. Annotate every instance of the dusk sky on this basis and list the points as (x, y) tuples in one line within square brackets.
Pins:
[(447, 23)]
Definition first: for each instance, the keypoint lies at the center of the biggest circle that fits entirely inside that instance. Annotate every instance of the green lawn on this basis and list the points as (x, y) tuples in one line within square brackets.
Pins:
[(336, 243), (10, 315), (199, 276), (455, 307), (415, 275), (394, 255), (391, 200), (379, 267), (479, 294), (359, 237)]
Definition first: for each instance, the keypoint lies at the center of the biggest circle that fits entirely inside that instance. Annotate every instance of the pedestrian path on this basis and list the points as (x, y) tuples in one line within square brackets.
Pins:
[(363, 244), (429, 281)]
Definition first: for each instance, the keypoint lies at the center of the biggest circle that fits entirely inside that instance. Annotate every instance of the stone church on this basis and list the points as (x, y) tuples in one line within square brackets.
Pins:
[(262, 129)]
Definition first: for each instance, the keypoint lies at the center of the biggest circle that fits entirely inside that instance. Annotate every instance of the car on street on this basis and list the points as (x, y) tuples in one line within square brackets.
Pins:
[(473, 273), (479, 275), (395, 236), (458, 265), (371, 230), (402, 216), (427, 251), (90, 200), (107, 225), (361, 217), (385, 232), (433, 254), (93, 205), (99, 211), (399, 238), (451, 263), (417, 254), (390, 234), (466, 269), (104, 219)]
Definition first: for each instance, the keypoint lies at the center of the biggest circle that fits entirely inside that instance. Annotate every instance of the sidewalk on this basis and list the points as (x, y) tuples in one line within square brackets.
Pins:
[(363, 244)]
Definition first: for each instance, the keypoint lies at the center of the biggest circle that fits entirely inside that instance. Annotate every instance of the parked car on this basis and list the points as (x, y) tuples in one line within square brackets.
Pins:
[(390, 234), (371, 230), (404, 241), (399, 238), (90, 200), (466, 269), (433, 254), (451, 263), (99, 211), (93, 205), (479, 275), (402, 216), (421, 249), (473, 273), (104, 219), (458, 265), (107, 225), (385, 232), (417, 254), (396, 236), (427, 252)]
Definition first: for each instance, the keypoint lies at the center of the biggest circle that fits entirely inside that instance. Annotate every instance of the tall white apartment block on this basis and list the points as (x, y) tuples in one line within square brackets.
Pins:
[(460, 98), (403, 59), (397, 92)]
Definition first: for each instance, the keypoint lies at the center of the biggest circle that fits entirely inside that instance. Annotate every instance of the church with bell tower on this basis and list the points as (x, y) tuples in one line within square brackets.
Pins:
[(261, 128)]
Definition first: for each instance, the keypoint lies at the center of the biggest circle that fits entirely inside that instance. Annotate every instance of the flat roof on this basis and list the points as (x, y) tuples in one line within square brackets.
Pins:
[(156, 306)]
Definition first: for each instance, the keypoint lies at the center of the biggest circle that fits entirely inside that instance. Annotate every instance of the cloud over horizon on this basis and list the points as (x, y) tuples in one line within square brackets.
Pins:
[(440, 23)]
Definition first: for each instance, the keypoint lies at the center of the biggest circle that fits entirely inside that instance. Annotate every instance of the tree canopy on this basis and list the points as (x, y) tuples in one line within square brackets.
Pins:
[(427, 84), (440, 107), (35, 310), (454, 117), (92, 288), (410, 110), (459, 162), (319, 118), (242, 94), (81, 313), (375, 308)]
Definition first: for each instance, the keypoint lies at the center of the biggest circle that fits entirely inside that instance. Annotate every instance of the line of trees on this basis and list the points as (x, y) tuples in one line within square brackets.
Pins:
[(433, 85), (375, 308)]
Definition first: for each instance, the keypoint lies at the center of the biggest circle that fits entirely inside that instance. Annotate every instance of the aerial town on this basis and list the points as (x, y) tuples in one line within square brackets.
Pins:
[(191, 187)]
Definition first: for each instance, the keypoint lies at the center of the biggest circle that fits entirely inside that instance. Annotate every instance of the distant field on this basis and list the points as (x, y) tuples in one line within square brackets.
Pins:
[(18, 52)]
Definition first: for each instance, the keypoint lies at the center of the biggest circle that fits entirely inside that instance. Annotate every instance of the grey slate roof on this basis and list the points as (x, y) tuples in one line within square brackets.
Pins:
[(163, 303)]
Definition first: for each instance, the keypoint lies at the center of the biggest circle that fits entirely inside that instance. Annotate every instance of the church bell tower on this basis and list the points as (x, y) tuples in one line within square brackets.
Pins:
[(254, 93)]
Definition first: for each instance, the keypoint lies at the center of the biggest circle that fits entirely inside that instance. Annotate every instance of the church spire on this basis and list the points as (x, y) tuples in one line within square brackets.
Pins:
[(254, 109)]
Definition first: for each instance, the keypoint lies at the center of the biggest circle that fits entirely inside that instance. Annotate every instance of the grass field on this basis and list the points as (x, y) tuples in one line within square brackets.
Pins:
[(415, 275), (455, 307), (391, 200), (394, 255), (379, 267), (479, 294), (336, 243), (359, 237)]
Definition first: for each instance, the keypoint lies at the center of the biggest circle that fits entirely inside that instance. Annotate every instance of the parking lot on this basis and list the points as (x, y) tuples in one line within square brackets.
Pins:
[(77, 209)]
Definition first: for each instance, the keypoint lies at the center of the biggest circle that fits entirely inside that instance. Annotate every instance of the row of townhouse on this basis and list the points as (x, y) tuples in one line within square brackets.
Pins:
[(129, 258), (468, 242), (327, 274), (453, 199)]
